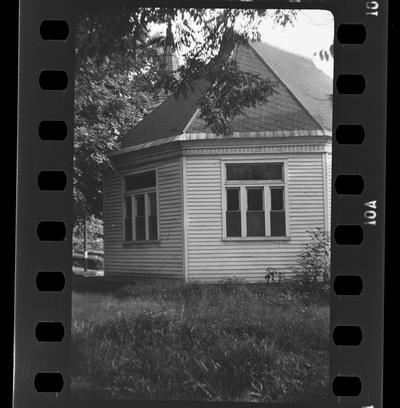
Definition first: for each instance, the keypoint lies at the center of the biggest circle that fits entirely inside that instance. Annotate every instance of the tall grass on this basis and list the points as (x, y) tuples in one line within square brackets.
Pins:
[(225, 342)]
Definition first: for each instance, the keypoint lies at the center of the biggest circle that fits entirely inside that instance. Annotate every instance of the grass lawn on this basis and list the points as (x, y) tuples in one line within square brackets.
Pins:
[(215, 342)]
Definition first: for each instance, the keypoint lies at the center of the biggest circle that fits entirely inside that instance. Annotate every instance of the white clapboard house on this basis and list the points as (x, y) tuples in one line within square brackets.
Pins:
[(188, 204)]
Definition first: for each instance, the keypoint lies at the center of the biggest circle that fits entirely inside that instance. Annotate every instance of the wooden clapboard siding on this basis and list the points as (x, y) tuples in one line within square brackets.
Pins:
[(210, 258), (329, 183), (163, 259)]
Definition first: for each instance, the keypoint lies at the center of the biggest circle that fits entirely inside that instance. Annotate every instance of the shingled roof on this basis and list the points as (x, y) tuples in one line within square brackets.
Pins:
[(302, 100), (312, 87)]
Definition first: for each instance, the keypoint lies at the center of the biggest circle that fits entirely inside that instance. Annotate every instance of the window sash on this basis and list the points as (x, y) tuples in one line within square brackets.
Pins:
[(266, 210), (255, 217), (128, 227), (153, 227), (278, 200), (255, 224), (140, 181), (233, 223), (278, 230), (152, 216), (144, 226), (273, 171), (278, 215), (140, 228)]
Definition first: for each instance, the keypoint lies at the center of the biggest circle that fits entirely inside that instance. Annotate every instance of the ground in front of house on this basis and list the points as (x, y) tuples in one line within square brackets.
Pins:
[(217, 342)]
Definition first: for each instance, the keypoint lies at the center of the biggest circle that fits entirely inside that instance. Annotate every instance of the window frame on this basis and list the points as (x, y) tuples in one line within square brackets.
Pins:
[(142, 191), (243, 185)]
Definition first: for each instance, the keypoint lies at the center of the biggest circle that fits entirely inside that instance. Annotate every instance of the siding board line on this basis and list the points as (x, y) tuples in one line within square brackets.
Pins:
[(211, 258), (138, 260)]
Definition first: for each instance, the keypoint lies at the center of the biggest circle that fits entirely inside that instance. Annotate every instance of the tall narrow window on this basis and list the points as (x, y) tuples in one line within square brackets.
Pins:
[(141, 223), (152, 216), (255, 217), (128, 219), (233, 217), (278, 228)]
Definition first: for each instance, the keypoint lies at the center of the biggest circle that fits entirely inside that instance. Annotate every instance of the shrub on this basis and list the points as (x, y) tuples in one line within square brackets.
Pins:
[(313, 265), (273, 275)]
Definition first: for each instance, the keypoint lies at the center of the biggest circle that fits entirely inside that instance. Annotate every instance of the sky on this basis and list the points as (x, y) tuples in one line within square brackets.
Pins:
[(312, 31)]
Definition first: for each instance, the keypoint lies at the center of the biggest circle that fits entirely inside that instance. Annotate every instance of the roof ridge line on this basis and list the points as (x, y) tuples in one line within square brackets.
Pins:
[(288, 89)]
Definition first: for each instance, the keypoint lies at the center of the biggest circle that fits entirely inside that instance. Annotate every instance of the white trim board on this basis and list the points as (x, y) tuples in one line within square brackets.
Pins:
[(211, 136)]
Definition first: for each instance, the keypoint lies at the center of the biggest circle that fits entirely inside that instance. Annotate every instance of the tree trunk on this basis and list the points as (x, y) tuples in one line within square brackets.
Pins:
[(85, 244)]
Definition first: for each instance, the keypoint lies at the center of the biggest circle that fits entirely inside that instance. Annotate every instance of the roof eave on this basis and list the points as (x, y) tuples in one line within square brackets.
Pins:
[(187, 137)]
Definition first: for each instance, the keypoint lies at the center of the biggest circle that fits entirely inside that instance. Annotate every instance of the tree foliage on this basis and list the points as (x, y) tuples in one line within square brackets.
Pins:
[(119, 66), (94, 235), (314, 263), (108, 100), (113, 90)]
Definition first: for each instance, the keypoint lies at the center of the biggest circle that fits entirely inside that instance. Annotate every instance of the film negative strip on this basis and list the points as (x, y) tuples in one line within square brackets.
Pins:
[(256, 187)]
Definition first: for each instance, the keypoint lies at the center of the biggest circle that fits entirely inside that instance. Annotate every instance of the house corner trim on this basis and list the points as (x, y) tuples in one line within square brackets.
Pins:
[(184, 222)]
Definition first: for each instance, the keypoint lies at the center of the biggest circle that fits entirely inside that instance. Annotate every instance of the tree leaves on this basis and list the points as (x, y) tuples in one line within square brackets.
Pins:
[(111, 96), (119, 67), (230, 93)]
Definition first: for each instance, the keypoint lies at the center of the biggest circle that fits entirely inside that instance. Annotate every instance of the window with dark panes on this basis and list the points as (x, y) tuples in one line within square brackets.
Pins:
[(255, 218), (233, 217), (140, 218), (277, 214), (140, 181), (254, 171), (141, 204), (128, 219), (153, 234), (255, 204)]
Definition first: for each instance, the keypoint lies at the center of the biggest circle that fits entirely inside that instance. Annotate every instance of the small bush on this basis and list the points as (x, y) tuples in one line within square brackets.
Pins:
[(313, 266), (273, 275)]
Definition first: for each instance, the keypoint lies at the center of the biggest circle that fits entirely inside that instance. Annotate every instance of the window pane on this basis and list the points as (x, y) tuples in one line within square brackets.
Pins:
[(254, 171), (255, 224), (140, 229), (141, 180), (277, 198), (233, 224), (139, 205), (153, 203), (255, 199), (128, 229), (128, 206), (278, 228), (232, 199), (153, 227)]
